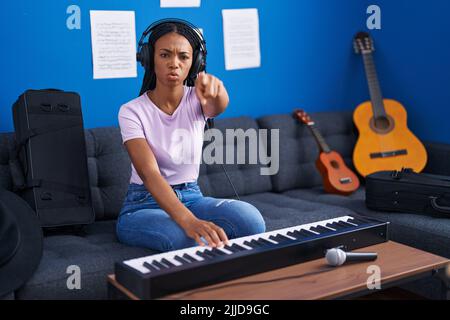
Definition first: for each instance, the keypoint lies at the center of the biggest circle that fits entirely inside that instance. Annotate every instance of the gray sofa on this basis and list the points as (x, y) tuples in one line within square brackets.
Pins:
[(291, 197)]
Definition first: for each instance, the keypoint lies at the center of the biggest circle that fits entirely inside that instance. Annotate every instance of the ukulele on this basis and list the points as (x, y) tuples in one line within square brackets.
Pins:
[(384, 142), (337, 177)]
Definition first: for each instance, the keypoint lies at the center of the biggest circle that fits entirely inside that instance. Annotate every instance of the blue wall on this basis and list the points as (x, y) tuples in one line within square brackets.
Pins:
[(307, 58)]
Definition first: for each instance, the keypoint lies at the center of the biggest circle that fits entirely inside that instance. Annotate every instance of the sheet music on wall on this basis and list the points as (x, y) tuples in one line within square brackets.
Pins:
[(241, 38), (179, 3), (113, 37)]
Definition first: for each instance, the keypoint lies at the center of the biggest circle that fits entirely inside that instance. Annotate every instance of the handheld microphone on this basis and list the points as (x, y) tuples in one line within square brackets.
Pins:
[(336, 257)]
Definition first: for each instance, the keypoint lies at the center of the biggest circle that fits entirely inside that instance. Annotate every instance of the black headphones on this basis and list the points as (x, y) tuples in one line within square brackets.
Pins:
[(145, 50)]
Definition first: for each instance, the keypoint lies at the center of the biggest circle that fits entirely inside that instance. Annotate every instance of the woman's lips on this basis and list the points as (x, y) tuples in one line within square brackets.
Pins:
[(173, 76)]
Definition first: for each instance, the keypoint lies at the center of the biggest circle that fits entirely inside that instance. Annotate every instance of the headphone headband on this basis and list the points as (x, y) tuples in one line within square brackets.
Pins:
[(174, 20)]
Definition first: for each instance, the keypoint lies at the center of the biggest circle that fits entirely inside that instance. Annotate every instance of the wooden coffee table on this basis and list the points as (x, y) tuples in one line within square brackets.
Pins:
[(398, 264)]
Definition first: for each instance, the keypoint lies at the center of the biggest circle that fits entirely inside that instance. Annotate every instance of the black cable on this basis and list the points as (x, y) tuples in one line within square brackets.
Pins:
[(323, 270), (223, 167)]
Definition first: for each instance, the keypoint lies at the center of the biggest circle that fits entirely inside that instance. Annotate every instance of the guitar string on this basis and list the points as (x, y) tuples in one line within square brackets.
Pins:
[(371, 78)]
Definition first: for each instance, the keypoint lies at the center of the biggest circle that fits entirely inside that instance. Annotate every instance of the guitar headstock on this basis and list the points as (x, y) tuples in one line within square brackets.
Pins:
[(363, 43), (302, 116)]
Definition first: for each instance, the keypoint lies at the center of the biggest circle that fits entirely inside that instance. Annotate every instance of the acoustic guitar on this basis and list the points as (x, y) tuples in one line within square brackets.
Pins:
[(337, 177), (384, 142)]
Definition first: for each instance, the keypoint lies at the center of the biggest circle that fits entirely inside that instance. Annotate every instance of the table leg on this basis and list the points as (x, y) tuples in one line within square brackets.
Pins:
[(444, 275)]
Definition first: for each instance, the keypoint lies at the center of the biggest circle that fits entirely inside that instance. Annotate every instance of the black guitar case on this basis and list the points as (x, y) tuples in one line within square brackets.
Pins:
[(49, 164), (407, 191)]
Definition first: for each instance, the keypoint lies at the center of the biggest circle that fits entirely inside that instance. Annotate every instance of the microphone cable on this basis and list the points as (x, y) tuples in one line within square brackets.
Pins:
[(208, 126)]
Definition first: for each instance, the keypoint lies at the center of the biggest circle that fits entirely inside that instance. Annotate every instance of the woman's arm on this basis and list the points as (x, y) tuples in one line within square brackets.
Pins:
[(147, 168), (212, 94)]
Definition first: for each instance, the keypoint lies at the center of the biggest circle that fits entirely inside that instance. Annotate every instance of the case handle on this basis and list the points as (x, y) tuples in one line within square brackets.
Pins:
[(437, 207)]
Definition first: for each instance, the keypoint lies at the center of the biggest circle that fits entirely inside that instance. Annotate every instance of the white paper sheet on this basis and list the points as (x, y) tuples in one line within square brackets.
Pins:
[(179, 3), (113, 36), (241, 38)]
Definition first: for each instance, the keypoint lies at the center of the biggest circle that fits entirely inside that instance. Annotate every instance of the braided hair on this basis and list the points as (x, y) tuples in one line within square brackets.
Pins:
[(149, 82)]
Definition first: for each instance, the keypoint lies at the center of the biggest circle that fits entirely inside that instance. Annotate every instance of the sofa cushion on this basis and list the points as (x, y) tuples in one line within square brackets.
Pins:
[(246, 178), (281, 211), (109, 168), (299, 150), (94, 253), (420, 231)]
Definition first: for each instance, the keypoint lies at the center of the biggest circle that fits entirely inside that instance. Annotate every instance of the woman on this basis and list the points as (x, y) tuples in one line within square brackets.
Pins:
[(164, 208)]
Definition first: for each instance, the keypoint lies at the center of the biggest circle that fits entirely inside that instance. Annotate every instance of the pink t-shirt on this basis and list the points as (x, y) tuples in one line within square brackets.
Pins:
[(176, 140)]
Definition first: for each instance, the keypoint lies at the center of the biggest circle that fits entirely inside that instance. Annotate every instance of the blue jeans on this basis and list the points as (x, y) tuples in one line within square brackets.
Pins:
[(143, 223)]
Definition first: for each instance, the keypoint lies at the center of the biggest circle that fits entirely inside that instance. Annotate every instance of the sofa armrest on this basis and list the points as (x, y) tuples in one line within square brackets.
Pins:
[(438, 158)]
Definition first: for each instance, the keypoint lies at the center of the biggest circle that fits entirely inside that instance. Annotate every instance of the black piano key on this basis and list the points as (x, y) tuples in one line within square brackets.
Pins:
[(351, 222), (332, 226), (299, 235), (211, 253), (338, 225), (203, 255), (274, 238), (325, 228), (266, 242), (291, 234), (218, 252), (231, 248), (280, 236), (188, 257), (150, 266), (295, 234), (182, 260), (258, 243), (249, 244), (158, 264), (345, 224), (238, 247), (359, 221), (167, 262), (321, 229), (307, 233)]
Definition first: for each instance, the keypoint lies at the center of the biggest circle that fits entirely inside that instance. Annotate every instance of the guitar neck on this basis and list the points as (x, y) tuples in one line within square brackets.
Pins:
[(319, 138), (374, 86)]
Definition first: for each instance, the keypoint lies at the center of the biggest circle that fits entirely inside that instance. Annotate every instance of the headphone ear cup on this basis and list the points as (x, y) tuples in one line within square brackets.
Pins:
[(197, 66), (144, 56), (202, 62)]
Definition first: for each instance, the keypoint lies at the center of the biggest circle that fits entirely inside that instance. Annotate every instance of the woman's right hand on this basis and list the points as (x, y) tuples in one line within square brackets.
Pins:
[(213, 234)]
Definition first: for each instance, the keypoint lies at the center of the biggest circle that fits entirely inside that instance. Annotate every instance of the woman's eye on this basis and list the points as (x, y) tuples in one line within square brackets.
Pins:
[(163, 55), (184, 57)]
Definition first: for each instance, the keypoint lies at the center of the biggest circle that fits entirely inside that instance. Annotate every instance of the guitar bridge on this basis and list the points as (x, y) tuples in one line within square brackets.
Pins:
[(346, 180), (388, 154)]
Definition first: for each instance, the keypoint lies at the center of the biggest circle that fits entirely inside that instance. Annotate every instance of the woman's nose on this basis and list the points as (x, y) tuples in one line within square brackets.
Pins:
[(174, 62)]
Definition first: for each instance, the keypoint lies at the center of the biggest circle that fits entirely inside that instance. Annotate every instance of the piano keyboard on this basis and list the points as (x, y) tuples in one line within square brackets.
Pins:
[(169, 272)]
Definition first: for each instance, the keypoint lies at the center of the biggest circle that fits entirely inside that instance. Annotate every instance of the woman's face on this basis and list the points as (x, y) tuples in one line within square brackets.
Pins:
[(173, 59)]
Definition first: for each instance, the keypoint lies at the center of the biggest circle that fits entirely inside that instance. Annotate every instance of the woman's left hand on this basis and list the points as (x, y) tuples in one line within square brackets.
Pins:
[(207, 87)]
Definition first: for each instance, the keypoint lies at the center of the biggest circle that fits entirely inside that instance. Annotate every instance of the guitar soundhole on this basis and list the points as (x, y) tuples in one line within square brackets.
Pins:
[(382, 125), (334, 164)]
